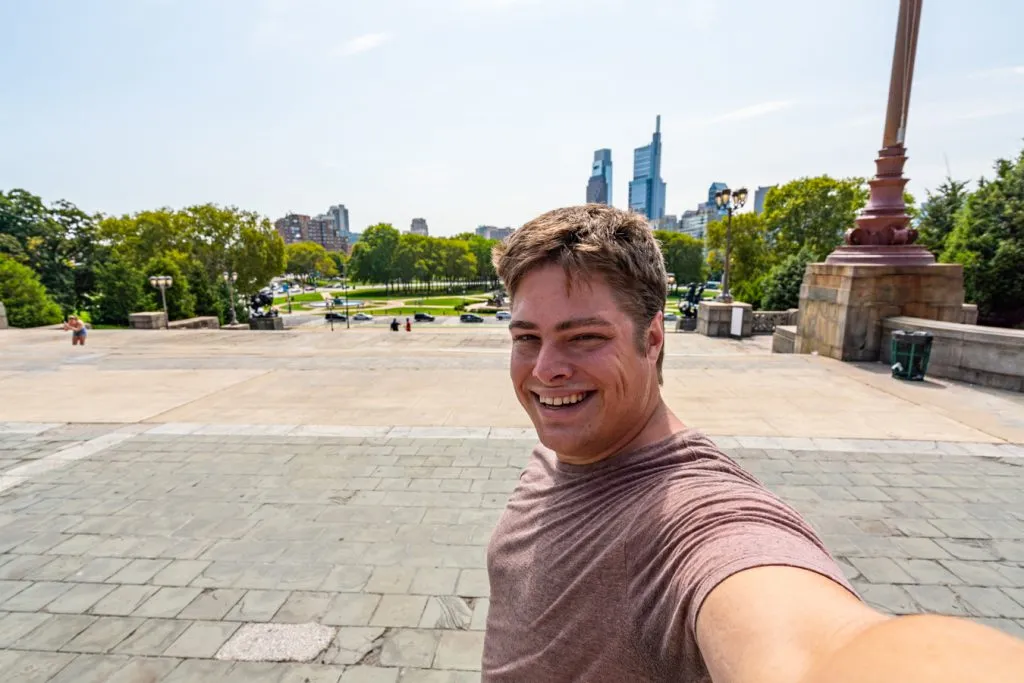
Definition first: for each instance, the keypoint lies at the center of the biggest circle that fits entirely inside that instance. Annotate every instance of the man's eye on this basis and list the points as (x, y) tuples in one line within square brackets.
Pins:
[(524, 338), (587, 337)]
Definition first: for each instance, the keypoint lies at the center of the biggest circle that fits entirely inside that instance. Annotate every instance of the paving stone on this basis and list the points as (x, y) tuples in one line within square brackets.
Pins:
[(35, 596), (212, 604), (100, 569), (138, 571), (346, 578), (460, 650), (991, 602), (201, 639), (480, 610), (409, 647), (90, 669), (168, 601), (434, 581), (1009, 626), (390, 580), (435, 676), (179, 572), (369, 674), (247, 672), (144, 670), (474, 583), (196, 670), (975, 573), (35, 667), (353, 643), (53, 633), (303, 606), (927, 572), (311, 673), (939, 600), (257, 605), (969, 549), (9, 589), (887, 597), (880, 570), (153, 637), (351, 609), (921, 548), (103, 634), (123, 600), (14, 625)]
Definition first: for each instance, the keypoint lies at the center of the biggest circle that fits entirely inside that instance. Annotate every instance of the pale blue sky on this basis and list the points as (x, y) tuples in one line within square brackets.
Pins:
[(481, 111)]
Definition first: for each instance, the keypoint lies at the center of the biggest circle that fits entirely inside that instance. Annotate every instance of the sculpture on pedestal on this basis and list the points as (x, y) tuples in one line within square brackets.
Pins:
[(883, 234)]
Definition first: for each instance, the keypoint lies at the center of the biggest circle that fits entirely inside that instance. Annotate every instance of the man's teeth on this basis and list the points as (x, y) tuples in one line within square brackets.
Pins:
[(562, 400)]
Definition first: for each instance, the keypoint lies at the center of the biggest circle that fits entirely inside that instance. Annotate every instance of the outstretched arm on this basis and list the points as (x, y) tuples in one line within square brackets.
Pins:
[(787, 625)]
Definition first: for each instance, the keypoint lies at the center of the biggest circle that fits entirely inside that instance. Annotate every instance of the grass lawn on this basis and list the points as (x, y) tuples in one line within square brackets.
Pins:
[(451, 301), (298, 298), (399, 311), (378, 293)]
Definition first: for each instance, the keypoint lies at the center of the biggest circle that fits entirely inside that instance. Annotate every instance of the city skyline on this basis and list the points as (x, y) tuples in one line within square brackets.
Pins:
[(277, 105), (647, 189)]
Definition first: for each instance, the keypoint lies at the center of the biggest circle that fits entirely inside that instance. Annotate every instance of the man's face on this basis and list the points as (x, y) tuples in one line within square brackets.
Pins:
[(576, 367)]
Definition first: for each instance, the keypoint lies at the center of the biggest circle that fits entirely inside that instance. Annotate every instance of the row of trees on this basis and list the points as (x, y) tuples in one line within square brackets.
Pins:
[(804, 220), (56, 260)]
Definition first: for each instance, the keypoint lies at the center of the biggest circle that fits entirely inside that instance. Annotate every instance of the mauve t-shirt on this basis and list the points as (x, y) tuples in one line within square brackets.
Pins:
[(598, 572)]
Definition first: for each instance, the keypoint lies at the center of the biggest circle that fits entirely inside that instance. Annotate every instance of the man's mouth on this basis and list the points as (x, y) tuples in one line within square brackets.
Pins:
[(562, 402)]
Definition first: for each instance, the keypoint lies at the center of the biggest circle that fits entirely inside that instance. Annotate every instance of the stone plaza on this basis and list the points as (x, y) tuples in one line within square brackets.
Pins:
[(314, 506)]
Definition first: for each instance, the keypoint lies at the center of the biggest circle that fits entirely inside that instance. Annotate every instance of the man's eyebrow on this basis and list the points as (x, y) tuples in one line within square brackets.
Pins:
[(572, 323)]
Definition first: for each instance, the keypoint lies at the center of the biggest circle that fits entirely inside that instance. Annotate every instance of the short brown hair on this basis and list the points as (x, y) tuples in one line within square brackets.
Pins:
[(588, 240)]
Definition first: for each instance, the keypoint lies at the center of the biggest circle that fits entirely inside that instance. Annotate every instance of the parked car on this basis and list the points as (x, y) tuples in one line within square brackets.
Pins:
[(671, 316), (423, 318), (362, 317), (334, 315), (503, 315), (470, 318)]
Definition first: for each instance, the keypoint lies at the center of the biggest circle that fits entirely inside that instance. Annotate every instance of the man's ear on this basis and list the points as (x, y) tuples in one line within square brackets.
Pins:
[(656, 336)]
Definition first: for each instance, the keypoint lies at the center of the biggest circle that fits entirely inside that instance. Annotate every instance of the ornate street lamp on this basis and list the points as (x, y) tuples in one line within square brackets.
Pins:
[(729, 201), (231, 278), (162, 282)]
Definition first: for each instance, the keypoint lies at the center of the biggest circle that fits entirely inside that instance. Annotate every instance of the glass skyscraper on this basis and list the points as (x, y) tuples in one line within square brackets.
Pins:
[(647, 189), (599, 189)]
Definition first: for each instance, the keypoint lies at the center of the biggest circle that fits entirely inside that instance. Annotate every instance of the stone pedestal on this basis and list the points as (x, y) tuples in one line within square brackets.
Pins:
[(842, 306), (714, 318), (274, 323), (149, 320), (3, 316)]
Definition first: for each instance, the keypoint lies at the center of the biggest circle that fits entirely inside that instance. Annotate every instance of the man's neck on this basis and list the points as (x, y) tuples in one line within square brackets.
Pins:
[(660, 424)]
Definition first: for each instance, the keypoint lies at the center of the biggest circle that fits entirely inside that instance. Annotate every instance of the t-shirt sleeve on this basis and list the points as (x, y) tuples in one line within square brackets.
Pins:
[(709, 521)]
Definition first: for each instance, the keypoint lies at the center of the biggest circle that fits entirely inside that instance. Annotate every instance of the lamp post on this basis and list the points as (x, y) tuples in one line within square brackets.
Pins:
[(231, 278), (730, 201), (162, 282)]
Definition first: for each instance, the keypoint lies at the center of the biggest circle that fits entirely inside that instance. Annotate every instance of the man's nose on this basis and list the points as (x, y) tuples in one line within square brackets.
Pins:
[(551, 365)]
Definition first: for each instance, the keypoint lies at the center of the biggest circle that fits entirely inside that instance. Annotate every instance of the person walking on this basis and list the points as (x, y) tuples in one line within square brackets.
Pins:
[(633, 549), (408, 325), (394, 324)]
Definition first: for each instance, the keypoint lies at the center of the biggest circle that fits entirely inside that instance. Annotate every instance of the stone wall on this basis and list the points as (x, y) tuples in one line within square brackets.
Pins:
[(3, 316), (784, 339), (989, 356), (206, 322), (149, 320), (842, 306), (714, 318)]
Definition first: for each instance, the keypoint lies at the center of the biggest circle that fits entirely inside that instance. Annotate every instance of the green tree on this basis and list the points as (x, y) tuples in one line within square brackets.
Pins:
[(481, 249), (181, 302), (750, 257), (939, 212), (24, 297), (305, 258), (457, 262), (812, 213), (988, 239), (781, 286), (58, 242), (121, 289), (684, 256), (373, 256)]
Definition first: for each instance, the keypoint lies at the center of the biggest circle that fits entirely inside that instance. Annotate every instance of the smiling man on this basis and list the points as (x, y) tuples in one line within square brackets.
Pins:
[(633, 549)]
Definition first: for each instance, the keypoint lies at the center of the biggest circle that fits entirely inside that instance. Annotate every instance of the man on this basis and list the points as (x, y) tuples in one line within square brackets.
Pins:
[(633, 549)]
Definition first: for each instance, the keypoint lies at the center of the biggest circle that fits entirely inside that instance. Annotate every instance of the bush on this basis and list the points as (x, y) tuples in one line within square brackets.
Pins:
[(749, 292), (782, 283), (24, 297)]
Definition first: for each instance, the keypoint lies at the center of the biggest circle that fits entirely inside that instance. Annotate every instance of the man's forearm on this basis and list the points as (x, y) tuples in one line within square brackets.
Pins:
[(925, 649)]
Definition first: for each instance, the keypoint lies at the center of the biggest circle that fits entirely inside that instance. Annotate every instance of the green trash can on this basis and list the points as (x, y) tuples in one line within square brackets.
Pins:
[(910, 354)]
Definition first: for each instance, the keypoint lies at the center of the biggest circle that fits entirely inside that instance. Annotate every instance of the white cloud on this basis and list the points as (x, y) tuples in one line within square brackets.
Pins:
[(364, 43), (754, 111), (1000, 71)]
